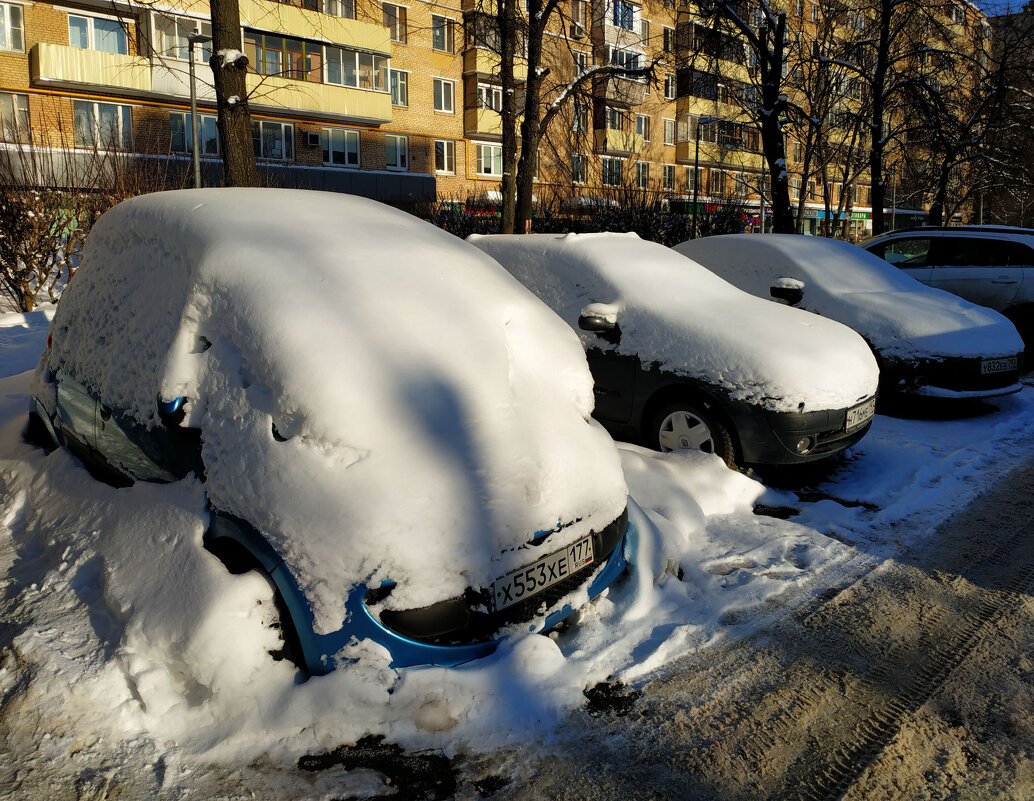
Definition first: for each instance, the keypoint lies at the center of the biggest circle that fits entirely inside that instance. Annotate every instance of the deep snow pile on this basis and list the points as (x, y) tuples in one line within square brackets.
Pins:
[(129, 651), (339, 377), (689, 321), (898, 315)]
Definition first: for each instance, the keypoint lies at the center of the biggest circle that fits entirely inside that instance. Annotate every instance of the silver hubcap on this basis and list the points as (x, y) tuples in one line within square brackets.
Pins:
[(684, 431)]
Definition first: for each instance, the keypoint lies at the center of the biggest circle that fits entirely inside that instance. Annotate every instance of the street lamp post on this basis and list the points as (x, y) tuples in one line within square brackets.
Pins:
[(696, 168), (194, 39)]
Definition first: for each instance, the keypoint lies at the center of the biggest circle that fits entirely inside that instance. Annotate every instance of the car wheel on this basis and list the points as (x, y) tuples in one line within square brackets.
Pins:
[(690, 426)]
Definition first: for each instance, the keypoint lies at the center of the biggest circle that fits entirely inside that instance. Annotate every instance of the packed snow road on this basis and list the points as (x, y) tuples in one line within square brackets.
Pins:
[(915, 680)]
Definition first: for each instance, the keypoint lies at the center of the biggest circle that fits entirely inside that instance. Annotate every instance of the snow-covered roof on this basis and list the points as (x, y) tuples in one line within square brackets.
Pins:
[(430, 413), (898, 315), (691, 322)]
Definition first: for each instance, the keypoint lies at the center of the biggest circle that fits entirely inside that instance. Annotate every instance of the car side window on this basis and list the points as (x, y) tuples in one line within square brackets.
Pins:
[(959, 251), (1019, 255), (906, 252)]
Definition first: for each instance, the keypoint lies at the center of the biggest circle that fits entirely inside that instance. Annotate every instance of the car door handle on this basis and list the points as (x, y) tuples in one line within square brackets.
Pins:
[(1004, 281)]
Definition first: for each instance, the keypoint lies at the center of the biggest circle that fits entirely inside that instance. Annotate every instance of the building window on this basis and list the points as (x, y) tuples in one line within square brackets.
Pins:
[(642, 126), (669, 86), (624, 15), (445, 156), (395, 22), (626, 59), (443, 34), (611, 171), (669, 177), (103, 125), (14, 118), (97, 33), (615, 119), (717, 184), (669, 40), (182, 134), (170, 37), (339, 8), (644, 30), (12, 28), (490, 96), (578, 15), (669, 132), (814, 12), (642, 175), (443, 95), (353, 68), (396, 152), (289, 57), (578, 169), (691, 179), (399, 88), (490, 161), (340, 147), (273, 140), (581, 63), (795, 189), (580, 119)]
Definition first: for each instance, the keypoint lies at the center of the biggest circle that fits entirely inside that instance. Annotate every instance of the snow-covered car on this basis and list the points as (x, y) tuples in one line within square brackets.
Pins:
[(388, 425), (927, 341), (684, 360), (992, 265)]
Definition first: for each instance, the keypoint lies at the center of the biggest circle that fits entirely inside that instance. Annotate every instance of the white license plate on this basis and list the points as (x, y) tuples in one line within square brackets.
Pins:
[(860, 415), (991, 366), (520, 584)]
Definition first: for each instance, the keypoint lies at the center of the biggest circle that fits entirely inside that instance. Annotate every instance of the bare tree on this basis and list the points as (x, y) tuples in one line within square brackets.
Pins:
[(229, 67)]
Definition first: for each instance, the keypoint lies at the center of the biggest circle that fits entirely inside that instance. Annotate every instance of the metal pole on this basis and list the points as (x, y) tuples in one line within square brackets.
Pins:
[(192, 40), (193, 118), (894, 203), (696, 180), (763, 201)]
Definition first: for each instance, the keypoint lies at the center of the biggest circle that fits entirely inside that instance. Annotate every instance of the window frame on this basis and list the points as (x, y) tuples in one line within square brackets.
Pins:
[(642, 126), (327, 133), (401, 164), (181, 46), (8, 29), (668, 177), (447, 27), (398, 24), (479, 150), (121, 32), (610, 172), (437, 81), (669, 127), (398, 87), (286, 139), (20, 128), (448, 154), (124, 126), (579, 170), (642, 175), (485, 95), (188, 134)]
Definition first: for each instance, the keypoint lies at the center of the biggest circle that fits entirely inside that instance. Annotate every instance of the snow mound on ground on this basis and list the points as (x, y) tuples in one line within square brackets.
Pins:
[(689, 321), (381, 400), (898, 315)]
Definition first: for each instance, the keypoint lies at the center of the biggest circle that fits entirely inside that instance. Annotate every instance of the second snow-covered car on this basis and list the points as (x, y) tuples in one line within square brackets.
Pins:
[(389, 426), (684, 360), (927, 342)]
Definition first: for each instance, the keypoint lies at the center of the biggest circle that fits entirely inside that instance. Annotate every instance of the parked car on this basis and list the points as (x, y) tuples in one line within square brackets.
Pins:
[(388, 426), (992, 265), (927, 342), (683, 360)]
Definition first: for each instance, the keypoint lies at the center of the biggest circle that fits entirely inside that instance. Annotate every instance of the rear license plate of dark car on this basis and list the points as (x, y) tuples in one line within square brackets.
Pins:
[(990, 366), (555, 567)]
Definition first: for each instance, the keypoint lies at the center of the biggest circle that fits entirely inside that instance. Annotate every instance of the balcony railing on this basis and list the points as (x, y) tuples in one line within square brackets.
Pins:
[(51, 63), (611, 140), (267, 91)]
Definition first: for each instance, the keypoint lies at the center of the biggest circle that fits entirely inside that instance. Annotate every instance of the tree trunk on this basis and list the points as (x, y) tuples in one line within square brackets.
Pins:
[(876, 153), (773, 105), (229, 67), (508, 27), (530, 123)]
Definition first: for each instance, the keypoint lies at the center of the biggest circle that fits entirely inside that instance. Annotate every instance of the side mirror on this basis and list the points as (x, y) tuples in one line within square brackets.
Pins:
[(787, 290), (600, 321)]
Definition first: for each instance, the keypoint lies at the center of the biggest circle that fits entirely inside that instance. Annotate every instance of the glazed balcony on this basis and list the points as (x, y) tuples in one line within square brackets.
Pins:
[(612, 140), (618, 91), (273, 93), (61, 64)]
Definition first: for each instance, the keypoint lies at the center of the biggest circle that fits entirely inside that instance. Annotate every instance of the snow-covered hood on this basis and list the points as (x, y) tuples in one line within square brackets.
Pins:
[(380, 399), (900, 317), (674, 312)]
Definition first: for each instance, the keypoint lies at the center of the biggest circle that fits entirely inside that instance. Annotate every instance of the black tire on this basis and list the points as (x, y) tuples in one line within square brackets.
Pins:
[(689, 425)]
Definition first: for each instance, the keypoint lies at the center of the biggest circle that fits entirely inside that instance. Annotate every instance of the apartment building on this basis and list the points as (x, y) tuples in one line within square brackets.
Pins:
[(401, 100)]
